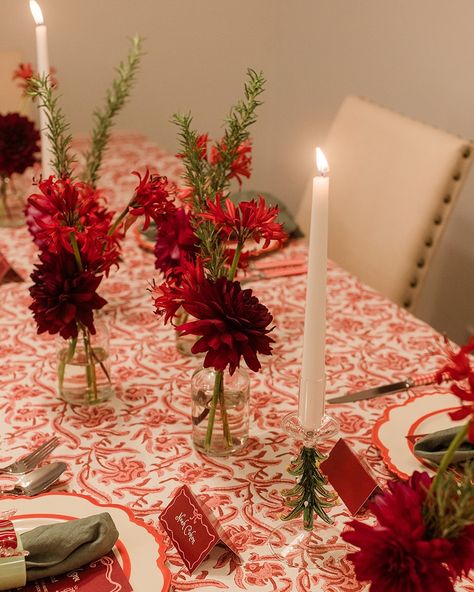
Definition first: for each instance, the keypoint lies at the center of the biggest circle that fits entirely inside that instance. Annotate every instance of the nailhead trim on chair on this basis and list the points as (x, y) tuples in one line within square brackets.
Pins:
[(436, 230)]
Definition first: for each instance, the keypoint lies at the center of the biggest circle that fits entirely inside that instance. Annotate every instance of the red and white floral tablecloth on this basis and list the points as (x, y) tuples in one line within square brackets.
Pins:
[(136, 450)]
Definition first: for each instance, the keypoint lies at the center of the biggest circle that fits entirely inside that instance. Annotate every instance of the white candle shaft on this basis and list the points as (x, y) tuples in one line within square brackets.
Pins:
[(313, 382), (42, 65)]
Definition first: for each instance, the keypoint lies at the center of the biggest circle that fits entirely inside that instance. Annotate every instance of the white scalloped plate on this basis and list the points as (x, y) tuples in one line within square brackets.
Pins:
[(421, 415), (140, 549)]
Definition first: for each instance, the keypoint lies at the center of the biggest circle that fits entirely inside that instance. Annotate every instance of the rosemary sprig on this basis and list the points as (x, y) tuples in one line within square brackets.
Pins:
[(449, 508), (58, 127), (207, 180), (115, 99)]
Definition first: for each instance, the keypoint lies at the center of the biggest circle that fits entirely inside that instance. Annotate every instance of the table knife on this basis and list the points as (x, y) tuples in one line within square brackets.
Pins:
[(385, 389)]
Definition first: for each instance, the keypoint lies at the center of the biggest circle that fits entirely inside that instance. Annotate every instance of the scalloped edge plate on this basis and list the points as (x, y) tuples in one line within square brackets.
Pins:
[(421, 415), (140, 548)]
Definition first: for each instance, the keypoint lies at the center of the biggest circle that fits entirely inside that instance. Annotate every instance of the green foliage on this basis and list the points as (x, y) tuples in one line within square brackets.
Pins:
[(449, 509), (115, 99), (211, 181), (309, 496), (58, 127)]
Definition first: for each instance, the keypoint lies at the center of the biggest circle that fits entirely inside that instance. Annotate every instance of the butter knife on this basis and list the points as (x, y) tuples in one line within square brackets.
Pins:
[(385, 389)]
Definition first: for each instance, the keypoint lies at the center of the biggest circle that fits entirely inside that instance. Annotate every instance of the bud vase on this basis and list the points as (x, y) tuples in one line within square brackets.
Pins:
[(84, 366), (12, 204), (220, 411), (184, 343)]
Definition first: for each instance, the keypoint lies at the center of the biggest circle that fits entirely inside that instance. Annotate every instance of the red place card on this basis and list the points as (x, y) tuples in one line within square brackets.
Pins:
[(349, 476), (7, 273), (103, 575), (192, 528)]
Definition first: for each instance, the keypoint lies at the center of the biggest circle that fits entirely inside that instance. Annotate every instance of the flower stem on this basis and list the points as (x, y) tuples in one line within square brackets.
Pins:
[(212, 412), (235, 262), (120, 217), (445, 461), (90, 367), (75, 249)]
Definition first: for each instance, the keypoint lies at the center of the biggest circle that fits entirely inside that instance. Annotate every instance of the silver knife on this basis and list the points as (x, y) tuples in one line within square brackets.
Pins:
[(385, 389)]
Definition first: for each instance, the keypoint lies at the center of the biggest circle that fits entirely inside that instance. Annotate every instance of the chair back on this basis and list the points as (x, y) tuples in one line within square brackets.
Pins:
[(394, 182)]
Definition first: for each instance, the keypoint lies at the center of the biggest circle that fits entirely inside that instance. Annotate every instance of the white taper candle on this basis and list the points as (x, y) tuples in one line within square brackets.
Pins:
[(313, 379)]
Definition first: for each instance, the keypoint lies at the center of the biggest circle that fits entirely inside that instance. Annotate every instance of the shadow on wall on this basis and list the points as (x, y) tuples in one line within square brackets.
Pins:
[(449, 292)]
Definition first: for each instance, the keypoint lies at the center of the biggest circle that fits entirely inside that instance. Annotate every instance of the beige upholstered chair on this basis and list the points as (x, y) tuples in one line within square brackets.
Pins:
[(10, 93), (394, 182)]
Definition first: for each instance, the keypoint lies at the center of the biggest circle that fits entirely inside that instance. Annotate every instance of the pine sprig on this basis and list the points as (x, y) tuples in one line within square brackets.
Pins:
[(209, 181), (450, 509), (58, 128), (309, 496), (115, 99)]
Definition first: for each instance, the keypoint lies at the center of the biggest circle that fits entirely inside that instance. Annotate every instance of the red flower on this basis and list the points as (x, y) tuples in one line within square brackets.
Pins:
[(63, 296), (18, 144), (241, 165), (248, 220), (25, 71), (175, 242), (394, 554), (231, 321), (201, 147), (151, 198), (460, 369)]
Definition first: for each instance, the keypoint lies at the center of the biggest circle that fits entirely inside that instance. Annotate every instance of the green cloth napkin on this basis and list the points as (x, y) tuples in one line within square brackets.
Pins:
[(433, 447), (58, 548)]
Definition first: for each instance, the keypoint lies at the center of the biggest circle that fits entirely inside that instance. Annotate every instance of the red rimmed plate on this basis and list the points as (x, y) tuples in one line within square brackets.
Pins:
[(419, 416), (140, 549)]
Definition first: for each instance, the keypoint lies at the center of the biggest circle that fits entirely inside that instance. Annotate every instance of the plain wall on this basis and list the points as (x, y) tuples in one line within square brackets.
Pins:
[(414, 56)]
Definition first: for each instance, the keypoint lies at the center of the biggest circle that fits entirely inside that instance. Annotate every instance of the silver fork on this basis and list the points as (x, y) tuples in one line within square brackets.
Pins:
[(32, 460)]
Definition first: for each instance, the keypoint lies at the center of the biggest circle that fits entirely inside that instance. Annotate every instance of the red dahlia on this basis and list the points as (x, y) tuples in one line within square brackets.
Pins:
[(396, 554), (232, 323), (18, 144), (63, 296)]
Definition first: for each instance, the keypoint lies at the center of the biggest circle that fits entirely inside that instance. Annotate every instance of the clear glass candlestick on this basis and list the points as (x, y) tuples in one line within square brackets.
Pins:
[(291, 542)]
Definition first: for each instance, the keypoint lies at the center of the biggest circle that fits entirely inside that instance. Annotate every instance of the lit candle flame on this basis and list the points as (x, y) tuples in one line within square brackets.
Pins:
[(36, 12), (321, 163)]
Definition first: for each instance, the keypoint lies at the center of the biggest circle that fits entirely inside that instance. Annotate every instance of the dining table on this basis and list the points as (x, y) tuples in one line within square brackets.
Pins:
[(135, 450)]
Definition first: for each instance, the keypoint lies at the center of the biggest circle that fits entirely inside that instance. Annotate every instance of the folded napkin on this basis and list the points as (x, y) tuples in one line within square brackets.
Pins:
[(57, 548), (433, 447)]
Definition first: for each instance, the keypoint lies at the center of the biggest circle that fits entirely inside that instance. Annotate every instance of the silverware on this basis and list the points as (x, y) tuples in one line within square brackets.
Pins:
[(37, 481), (32, 460), (385, 389)]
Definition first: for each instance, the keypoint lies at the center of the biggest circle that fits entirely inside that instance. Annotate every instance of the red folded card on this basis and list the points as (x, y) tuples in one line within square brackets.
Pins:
[(192, 528), (102, 575), (349, 476)]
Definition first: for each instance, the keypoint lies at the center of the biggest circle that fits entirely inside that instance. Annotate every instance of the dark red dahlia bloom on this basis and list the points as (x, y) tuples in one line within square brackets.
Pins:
[(460, 369), (175, 242), (247, 220), (232, 323), (151, 198), (394, 554), (461, 560), (241, 166), (18, 144), (63, 296)]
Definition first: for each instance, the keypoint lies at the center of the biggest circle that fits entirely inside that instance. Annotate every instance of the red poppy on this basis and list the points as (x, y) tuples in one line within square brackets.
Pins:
[(151, 199), (18, 144), (248, 219), (395, 554), (232, 323), (176, 241), (63, 296)]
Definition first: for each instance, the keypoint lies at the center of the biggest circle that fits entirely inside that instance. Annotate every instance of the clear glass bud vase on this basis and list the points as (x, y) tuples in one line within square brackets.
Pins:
[(220, 411), (84, 366), (12, 204)]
